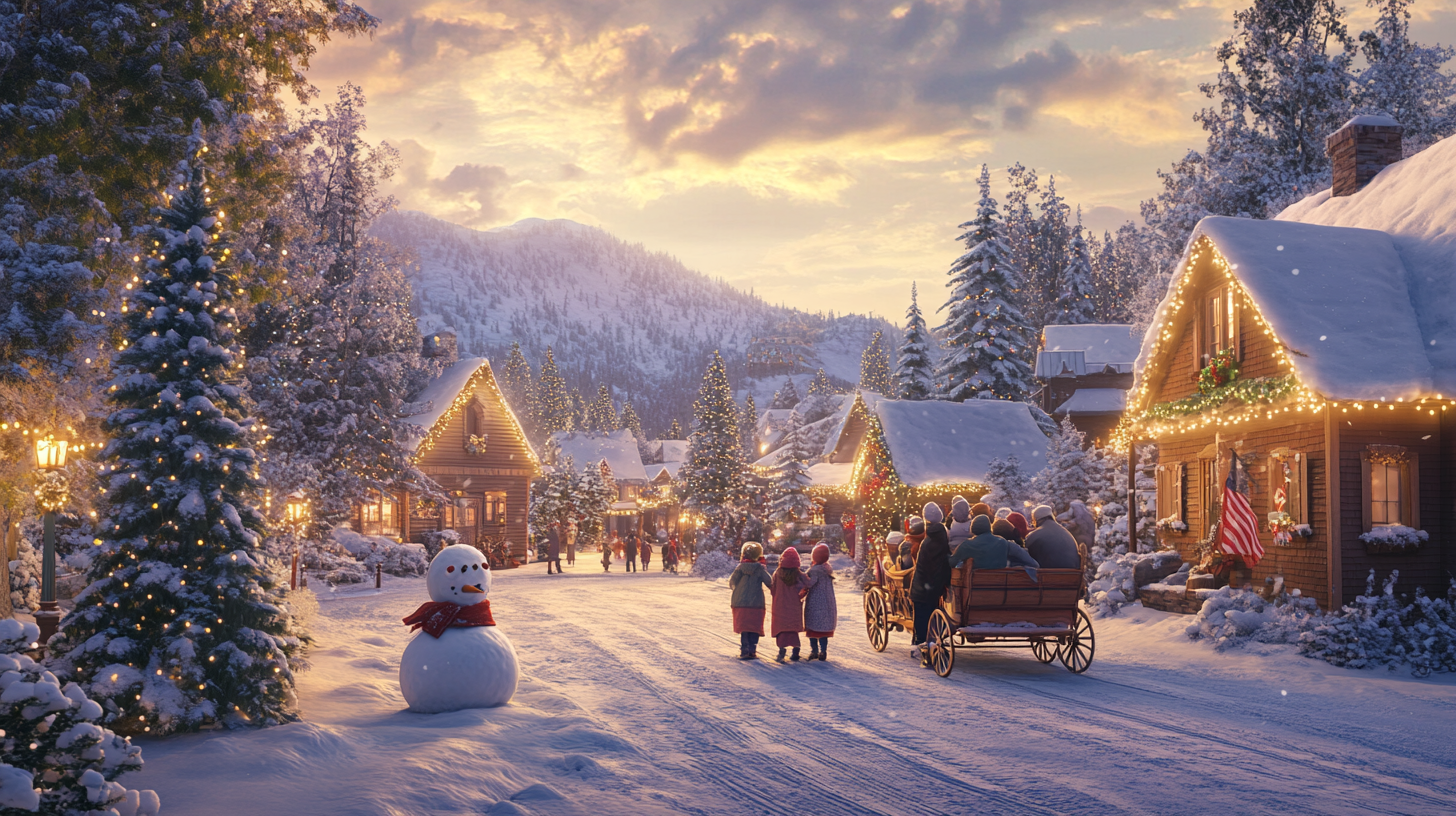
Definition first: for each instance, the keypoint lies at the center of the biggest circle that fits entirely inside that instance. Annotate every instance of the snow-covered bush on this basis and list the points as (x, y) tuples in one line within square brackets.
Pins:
[(436, 540), (1381, 629), (50, 738), (1113, 585), (711, 566), (25, 577), (1233, 617), (1394, 538), (399, 559)]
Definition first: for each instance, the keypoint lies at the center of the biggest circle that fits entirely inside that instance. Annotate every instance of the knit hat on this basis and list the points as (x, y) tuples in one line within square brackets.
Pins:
[(820, 553), (893, 539), (752, 551), (960, 510), (981, 509), (905, 548), (790, 559), (1004, 528), (1041, 511), (1003, 512), (981, 525), (932, 513), (1019, 522), (916, 525)]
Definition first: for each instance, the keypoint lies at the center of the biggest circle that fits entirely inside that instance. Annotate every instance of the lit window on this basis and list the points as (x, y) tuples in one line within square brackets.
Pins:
[(1385, 494)]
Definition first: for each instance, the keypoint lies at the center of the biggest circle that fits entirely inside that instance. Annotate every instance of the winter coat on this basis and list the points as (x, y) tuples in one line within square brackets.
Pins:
[(959, 528), (1053, 547), (553, 544), (1008, 531), (629, 546), (748, 583), (821, 612), (606, 555), (788, 607), (988, 550), (932, 566), (646, 550)]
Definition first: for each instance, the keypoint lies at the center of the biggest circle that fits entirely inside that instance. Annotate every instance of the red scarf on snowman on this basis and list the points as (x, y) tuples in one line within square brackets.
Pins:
[(436, 616)]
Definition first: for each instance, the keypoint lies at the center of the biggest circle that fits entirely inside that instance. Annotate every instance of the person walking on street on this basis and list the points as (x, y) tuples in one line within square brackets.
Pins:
[(788, 604), (646, 552), (553, 547), (629, 551), (571, 534), (746, 586), (821, 613), (606, 556)]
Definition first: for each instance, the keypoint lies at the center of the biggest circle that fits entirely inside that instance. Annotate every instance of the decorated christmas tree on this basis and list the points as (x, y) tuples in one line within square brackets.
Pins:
[(791, 477), (553, 406), (787, 396), (1075, 303), (674, 431), (874, 368), (713, 476), (914, 374), (601, 414), (748, 427), (986, 334), (181, 625), (820, 386)]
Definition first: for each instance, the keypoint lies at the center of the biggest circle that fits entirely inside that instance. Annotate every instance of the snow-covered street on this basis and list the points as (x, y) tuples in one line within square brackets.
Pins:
[(632, 702)]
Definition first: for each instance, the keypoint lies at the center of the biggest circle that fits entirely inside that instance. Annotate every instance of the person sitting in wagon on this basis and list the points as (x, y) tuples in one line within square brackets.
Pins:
[(986, 550), (1051, 543)]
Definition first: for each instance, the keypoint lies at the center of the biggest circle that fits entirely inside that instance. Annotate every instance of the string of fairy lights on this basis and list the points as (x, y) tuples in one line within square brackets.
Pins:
[(1243, 400), (482, 376)]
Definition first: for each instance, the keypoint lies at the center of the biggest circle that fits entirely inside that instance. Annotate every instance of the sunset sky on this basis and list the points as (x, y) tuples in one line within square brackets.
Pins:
[(821, 153)]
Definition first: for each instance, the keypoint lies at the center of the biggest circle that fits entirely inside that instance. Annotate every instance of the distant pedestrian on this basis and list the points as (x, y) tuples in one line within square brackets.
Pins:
[(553, 547), (821, 612), (606, 556), (670, 556), (788, 604), (646, 551), (746, 585), (629, 551), (571, 534)]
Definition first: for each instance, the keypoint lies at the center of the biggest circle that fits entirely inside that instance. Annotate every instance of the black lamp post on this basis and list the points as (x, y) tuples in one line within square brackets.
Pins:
[(50, 456)]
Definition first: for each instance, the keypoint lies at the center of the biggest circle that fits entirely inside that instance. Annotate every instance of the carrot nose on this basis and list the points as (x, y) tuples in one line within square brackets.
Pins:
[(472, 588)]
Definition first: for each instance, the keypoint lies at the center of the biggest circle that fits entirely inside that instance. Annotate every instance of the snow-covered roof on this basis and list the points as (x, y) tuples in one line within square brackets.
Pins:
[(1337, 297), (825, 474), (1414, 202), (441, 393), (1087, 348), (654, 471), (1094, 401), (933, 442), (619, 448), (673, 450)]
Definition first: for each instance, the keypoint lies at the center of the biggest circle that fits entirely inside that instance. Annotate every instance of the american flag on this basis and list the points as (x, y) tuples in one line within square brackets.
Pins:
[(1239, 527)]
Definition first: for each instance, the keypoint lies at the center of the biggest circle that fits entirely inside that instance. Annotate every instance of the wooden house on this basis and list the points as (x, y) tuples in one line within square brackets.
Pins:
[(474, 448), (1085, 371), (620, 451), (1340, 317)]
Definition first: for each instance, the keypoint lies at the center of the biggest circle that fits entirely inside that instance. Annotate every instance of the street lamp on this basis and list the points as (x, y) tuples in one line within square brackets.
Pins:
[(295, 512), (50, 457)]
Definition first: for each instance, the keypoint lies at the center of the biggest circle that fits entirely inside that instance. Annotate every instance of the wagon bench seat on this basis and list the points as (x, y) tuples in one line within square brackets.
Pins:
[(992, 630)]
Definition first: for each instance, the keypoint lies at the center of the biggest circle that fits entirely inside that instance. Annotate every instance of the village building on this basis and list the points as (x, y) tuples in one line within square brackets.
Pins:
[(1321, 348), (1085, 371), (619, 450), (472, 446)]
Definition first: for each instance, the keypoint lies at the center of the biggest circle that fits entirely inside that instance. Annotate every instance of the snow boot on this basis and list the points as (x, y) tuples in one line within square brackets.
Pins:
[(795, 656), (813, 652), (824, 652), (745, 654), (780, 658)]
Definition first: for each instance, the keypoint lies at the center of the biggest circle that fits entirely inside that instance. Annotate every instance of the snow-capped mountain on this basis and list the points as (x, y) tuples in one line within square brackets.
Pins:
[(612, 312)]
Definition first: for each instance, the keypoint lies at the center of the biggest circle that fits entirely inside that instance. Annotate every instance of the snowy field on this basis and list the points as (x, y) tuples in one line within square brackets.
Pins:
[(632, 702)]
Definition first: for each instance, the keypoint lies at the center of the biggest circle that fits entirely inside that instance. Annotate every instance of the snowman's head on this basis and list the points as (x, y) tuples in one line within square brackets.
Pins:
[(459, 575)]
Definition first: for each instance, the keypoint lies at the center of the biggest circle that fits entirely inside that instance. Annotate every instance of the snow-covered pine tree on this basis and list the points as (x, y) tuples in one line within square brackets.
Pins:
[(1073, 472), (790, 489), (1075, 304), (787, 396), (674, 431), (629, 422), (181, 624), (748, 427), (1406, 80), (713, 476), (1044, 280), (553, 406), (874, 368), (1010, 485), (986, 334), (820, 386), (914, 373), (595, 495), (554, 497), (516, 381), (601, 414), (1021, 226)]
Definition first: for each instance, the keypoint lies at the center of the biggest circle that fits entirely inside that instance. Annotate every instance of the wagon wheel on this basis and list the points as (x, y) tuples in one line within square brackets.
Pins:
[(1044, 650), (1076, 652), (939, 635), (877, 622)]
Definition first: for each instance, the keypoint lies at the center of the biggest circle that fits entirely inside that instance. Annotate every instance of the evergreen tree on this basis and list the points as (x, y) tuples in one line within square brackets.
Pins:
[(1021, 226), (787, 396), (986, 334), (1123, 266), (713, 476), (1072, 471), (516, 381), (595, 493), (1044, 279), (601, 415), (630, 422), (1010, 485), (554, 497), (914, 374), (674, 431), (1406, 80), (1075, 304), (748, 426), (820, 385), (181, 624), (874, 368), (553, 406), (791, 477)]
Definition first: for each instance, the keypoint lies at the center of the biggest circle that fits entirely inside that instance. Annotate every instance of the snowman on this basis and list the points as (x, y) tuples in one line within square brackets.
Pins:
[(459, 659)]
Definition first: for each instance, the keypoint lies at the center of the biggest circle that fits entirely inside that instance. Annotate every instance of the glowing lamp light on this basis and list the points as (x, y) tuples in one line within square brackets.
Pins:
[(50, 453), (295, 511)]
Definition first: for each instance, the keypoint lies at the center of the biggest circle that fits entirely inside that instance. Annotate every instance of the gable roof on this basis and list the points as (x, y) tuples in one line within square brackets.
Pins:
[(1336, 297), (619, 448), (1087, 348), (451, 391), (933, 442), (1414, 202)]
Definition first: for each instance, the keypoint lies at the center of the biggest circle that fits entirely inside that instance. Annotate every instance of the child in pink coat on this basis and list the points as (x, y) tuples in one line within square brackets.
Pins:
[(788, 605)]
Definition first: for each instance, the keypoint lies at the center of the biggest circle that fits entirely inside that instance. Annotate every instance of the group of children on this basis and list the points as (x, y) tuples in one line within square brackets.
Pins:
[(803, 601)]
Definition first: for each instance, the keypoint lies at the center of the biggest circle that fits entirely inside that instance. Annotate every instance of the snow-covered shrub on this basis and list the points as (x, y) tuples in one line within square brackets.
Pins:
[(25, 577), (347, 574), (1381, 629), (436, 540), (711, 566), (54, 758), (1233, 617), (1394, 538), (398, 559), (1113, 585)]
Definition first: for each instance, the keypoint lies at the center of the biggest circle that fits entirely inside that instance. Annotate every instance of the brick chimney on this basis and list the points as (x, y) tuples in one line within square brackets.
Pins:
[(1360, 149)]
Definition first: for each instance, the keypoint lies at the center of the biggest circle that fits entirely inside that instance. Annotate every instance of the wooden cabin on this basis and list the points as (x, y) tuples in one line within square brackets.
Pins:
[(1085, 371), (474, 448), (1339, 318), (620, 451)]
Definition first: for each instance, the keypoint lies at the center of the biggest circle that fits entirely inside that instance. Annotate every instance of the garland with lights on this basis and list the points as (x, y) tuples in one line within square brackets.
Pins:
[(884, 497), (1220, 371), (482, 377)]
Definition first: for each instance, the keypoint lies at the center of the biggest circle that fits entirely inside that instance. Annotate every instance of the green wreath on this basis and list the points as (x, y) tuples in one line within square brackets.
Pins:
[(1221, 370)]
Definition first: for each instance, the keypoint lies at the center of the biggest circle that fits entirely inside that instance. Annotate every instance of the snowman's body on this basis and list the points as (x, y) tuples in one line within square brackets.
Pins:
[(467, 666)]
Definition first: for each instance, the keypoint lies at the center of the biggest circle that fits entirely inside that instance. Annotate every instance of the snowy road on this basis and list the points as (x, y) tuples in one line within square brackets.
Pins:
[(632, 702)]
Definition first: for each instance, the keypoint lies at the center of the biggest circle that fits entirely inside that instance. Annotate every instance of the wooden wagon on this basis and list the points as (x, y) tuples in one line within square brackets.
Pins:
[(887, 603)]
